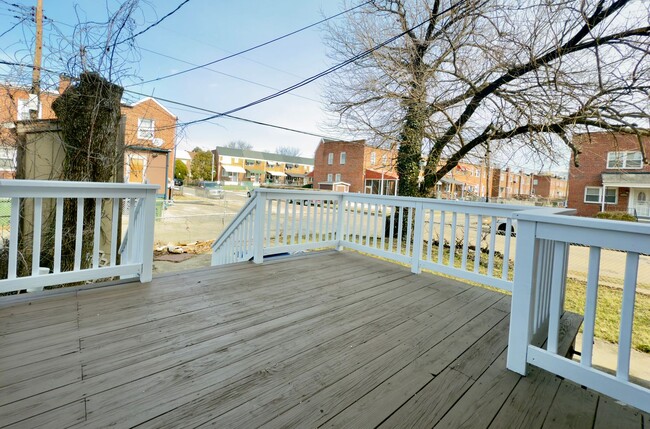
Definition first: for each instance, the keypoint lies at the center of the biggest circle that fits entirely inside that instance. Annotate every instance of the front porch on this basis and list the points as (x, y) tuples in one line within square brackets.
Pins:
[(332, 339)]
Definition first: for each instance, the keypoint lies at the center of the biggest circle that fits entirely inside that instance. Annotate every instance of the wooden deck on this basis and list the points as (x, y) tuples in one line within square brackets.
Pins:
[(331, 340)]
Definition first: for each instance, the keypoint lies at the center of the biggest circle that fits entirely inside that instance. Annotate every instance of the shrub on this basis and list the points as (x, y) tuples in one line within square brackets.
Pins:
[(616, 216)]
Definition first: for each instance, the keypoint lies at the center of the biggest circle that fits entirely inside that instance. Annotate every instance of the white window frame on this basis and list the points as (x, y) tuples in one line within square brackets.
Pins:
[(337, 177), (629, 160), (600, 195), (330, 158), (22, 110), (342, 157), (329, 177), (8, 157), (373, 158), (384, 160), (146, 132)]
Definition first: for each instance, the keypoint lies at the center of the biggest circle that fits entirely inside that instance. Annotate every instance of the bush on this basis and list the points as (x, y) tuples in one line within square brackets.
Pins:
[(616, 216)]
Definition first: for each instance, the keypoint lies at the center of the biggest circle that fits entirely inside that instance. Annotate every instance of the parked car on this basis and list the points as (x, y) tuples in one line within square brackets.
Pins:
[(212, 190), (501, 227), (178, 183)]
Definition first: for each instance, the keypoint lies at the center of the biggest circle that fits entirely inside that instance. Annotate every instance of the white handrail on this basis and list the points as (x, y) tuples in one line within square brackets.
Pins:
[(37, 205), (439, 235), (538, 297)]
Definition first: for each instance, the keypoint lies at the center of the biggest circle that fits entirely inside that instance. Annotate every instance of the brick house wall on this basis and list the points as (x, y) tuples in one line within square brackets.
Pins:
[(593, 163), (358, 158), (156, 150), (157, 159), (551, 187)]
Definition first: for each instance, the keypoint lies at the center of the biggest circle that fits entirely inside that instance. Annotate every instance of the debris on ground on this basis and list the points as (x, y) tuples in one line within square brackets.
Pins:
[(180, 252)]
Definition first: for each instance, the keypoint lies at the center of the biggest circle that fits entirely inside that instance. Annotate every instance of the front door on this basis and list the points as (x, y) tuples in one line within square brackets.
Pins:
[(136, 169), (641, 202)]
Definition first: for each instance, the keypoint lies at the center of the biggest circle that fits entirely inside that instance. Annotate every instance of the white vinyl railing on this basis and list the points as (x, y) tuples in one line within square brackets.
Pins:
[(465, 239), (37, 227), (543, 240)]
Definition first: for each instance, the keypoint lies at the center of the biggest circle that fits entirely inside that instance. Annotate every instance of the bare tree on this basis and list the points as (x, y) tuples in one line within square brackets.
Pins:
[(475, 75), (239, 144), (287, 150)]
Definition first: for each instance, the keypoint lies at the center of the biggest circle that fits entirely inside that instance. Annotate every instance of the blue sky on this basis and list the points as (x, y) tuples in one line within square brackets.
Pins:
[(202, 31)]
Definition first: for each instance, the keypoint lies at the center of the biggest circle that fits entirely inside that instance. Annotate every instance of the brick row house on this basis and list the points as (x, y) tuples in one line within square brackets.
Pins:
[(355, 167), (149, 133), (370, 170), (241, 166), (612, 175)]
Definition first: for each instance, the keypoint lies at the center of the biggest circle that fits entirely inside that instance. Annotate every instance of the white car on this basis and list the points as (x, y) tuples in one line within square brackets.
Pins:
[(212, 190)]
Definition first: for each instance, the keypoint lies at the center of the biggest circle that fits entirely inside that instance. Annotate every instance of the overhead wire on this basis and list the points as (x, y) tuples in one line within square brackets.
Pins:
[(323, 73), (238, 118), (183, 3), (13, 26), (249, 49), (226, 74)]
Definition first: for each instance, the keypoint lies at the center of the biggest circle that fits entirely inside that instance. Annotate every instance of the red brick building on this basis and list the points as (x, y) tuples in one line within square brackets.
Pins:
[(612, 175), (150, 133), (366, 169)]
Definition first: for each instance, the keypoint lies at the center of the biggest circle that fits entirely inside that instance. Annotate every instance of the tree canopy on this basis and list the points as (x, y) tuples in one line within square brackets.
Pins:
[(180, 170), (467, 76), (239, 144), (201, 166), (287, 150)]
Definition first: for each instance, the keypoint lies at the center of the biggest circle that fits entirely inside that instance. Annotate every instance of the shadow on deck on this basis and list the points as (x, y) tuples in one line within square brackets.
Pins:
[(330, 339)]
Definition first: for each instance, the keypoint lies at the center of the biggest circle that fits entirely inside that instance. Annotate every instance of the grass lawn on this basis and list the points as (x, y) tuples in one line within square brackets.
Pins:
[(5, 211), (608, 313)]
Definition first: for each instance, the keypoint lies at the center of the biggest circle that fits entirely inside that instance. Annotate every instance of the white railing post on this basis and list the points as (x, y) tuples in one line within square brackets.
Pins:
[(258, 228), (148, 216), (416, 257), (523, 292), (340, 215)]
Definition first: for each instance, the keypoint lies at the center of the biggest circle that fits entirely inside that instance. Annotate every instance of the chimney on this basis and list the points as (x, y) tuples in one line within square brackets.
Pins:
[(64, 82)]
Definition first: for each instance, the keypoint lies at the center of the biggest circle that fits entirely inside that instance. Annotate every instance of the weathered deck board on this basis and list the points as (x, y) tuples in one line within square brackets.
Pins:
[(326, 340)]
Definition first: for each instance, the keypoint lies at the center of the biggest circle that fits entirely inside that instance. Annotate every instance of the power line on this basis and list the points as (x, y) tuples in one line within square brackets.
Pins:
[(155, 23), (251, 48), (226, 74), (238, 118), (321, 74), (13, 26)]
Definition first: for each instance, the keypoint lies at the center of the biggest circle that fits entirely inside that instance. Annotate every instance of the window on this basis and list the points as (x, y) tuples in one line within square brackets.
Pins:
[(373, 158), (624, 160), (146, 129), (384, 160), (25, 104), (7, 159), (338, 177), (593, 194), (535, 182), (330, 158), (329, 177), (342, 158), (477, 172)]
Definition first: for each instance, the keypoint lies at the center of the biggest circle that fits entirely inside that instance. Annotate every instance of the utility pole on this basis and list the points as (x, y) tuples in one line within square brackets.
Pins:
[(38, 54)]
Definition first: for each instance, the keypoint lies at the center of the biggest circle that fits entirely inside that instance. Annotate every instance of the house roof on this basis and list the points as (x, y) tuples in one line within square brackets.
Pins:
[(155, 101), (263, 156), (372, 174)]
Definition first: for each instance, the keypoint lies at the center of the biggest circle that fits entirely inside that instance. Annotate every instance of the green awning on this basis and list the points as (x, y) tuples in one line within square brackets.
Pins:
[(254, 170)]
